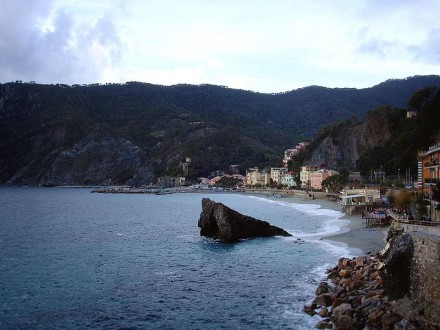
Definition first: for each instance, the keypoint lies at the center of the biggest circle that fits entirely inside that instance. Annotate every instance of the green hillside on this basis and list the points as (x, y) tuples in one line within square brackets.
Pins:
[(215, 125)]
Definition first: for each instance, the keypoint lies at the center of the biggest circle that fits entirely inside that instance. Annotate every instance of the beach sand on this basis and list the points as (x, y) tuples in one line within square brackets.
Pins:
[(369, 240), (356, 236)]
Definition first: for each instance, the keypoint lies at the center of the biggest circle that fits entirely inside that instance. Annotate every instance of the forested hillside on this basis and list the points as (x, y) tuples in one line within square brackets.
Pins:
[(385, 139), (132, 132)]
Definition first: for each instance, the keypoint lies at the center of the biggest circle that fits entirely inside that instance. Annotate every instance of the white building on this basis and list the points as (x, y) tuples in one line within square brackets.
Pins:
[(276, 173)]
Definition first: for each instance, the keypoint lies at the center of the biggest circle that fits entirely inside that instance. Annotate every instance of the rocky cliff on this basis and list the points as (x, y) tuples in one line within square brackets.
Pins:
[(342, 145), (99, 159), (385, 139)]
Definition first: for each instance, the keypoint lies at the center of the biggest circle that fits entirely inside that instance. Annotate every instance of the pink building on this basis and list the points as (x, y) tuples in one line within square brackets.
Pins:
[(317, 177)]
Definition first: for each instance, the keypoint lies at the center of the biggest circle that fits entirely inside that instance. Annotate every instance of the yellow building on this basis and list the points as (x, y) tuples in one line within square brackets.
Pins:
[(304, 175), (254, 177)]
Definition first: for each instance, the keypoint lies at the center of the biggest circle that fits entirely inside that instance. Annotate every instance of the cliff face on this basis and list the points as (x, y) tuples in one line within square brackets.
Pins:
[(342, 145), (99, 158)]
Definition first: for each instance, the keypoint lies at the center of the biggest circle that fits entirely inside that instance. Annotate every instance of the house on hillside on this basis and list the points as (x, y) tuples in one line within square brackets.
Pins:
[(289, 154)]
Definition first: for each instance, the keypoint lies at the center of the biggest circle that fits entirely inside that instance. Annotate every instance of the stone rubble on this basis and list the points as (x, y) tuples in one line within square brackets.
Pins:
[(353, 298)]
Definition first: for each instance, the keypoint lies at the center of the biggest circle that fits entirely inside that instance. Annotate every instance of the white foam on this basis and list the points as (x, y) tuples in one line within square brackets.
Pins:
[(333, 224)]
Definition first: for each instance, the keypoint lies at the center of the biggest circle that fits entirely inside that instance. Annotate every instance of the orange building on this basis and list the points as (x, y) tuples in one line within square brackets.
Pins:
[(429, 177)]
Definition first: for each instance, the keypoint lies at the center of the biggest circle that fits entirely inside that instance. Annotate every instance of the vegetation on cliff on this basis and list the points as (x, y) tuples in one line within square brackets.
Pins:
[(216, 126), (385, 139)]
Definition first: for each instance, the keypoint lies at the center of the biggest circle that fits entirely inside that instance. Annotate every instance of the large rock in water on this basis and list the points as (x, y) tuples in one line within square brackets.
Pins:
[(221, 222)]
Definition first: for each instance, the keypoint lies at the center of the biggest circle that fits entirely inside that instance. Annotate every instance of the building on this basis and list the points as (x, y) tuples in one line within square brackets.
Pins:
[(317, 177), (360, 196), (276, 173), (289, 154), (354, 176), (429, 178), (170, 182), (255, 177), (288, 179), (304, 175), (252, 176), (356, 200)]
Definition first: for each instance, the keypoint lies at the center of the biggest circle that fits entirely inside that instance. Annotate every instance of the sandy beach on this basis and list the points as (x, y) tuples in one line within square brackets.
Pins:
[(369, 240), (355, 235)]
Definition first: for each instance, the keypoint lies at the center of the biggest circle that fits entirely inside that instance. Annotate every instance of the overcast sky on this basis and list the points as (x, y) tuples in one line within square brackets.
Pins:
[(265, 46)]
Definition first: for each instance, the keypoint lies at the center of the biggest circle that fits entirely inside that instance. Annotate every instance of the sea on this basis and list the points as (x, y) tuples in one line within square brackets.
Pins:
[(72, 259)]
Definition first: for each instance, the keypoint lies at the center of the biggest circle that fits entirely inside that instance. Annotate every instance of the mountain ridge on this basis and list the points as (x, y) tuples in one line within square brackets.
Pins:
[(215, 125)]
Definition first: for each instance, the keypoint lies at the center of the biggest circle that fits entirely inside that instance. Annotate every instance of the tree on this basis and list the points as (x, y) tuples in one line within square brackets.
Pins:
[(404, 199)]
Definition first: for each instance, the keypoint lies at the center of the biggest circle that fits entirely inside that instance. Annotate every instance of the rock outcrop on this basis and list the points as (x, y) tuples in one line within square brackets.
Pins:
[(223, 223), (99, 158)]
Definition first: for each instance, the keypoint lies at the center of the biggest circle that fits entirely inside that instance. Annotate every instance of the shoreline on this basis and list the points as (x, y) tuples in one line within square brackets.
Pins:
[(355, 236)]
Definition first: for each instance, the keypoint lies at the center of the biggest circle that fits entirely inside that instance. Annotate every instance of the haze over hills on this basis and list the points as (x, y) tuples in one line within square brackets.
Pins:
[(133, 132)]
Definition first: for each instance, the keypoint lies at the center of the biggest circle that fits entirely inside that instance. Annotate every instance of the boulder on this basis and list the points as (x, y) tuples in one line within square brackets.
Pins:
[(227, 225), (396, 271), (324, 325), (325, 299)]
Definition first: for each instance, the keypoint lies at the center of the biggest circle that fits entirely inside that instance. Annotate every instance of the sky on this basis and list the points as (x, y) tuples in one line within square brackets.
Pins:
[(264, 46)]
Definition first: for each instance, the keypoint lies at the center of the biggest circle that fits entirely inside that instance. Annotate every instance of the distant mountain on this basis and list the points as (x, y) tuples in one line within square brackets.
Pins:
[(133, 132)]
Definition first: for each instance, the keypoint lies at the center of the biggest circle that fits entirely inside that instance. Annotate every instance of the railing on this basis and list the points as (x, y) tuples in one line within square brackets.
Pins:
[(401, 218), (421, 222)]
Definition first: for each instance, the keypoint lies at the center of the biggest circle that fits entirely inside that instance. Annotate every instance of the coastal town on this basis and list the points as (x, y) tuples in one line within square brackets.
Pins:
[(413, 199)]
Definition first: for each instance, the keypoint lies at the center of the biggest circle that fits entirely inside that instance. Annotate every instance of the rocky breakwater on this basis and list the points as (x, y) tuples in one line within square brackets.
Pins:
[(377, 292), (227, 225)]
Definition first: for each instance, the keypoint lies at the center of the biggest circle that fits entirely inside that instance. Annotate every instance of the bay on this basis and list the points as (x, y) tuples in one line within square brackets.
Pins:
[(70, 259)]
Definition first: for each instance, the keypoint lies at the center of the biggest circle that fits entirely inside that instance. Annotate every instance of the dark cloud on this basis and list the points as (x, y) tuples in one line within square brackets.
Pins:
[(65, 52)]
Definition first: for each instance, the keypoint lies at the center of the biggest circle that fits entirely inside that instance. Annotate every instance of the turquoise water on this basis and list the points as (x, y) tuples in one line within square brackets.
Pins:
[(72, 259)]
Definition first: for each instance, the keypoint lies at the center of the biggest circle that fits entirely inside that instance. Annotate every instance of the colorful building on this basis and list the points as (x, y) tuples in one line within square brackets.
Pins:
[(288, 179), (276, 173), (429, 179), (255, 177), (317, 177), (304, 175)]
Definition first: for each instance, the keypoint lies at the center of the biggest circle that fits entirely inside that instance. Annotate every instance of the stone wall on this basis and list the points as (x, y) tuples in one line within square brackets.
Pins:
[(425, 276)]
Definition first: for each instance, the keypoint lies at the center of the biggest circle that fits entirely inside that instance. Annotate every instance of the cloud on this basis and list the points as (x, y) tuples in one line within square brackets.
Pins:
[(430, 48), (258, 45), (45, 44)]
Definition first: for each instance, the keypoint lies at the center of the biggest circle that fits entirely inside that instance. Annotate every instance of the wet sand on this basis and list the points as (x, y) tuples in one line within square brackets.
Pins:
[(369, 240), (355, 235)]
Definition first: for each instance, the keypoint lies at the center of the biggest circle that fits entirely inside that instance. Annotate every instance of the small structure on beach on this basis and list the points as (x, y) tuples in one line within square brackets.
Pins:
[(358, 200)]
